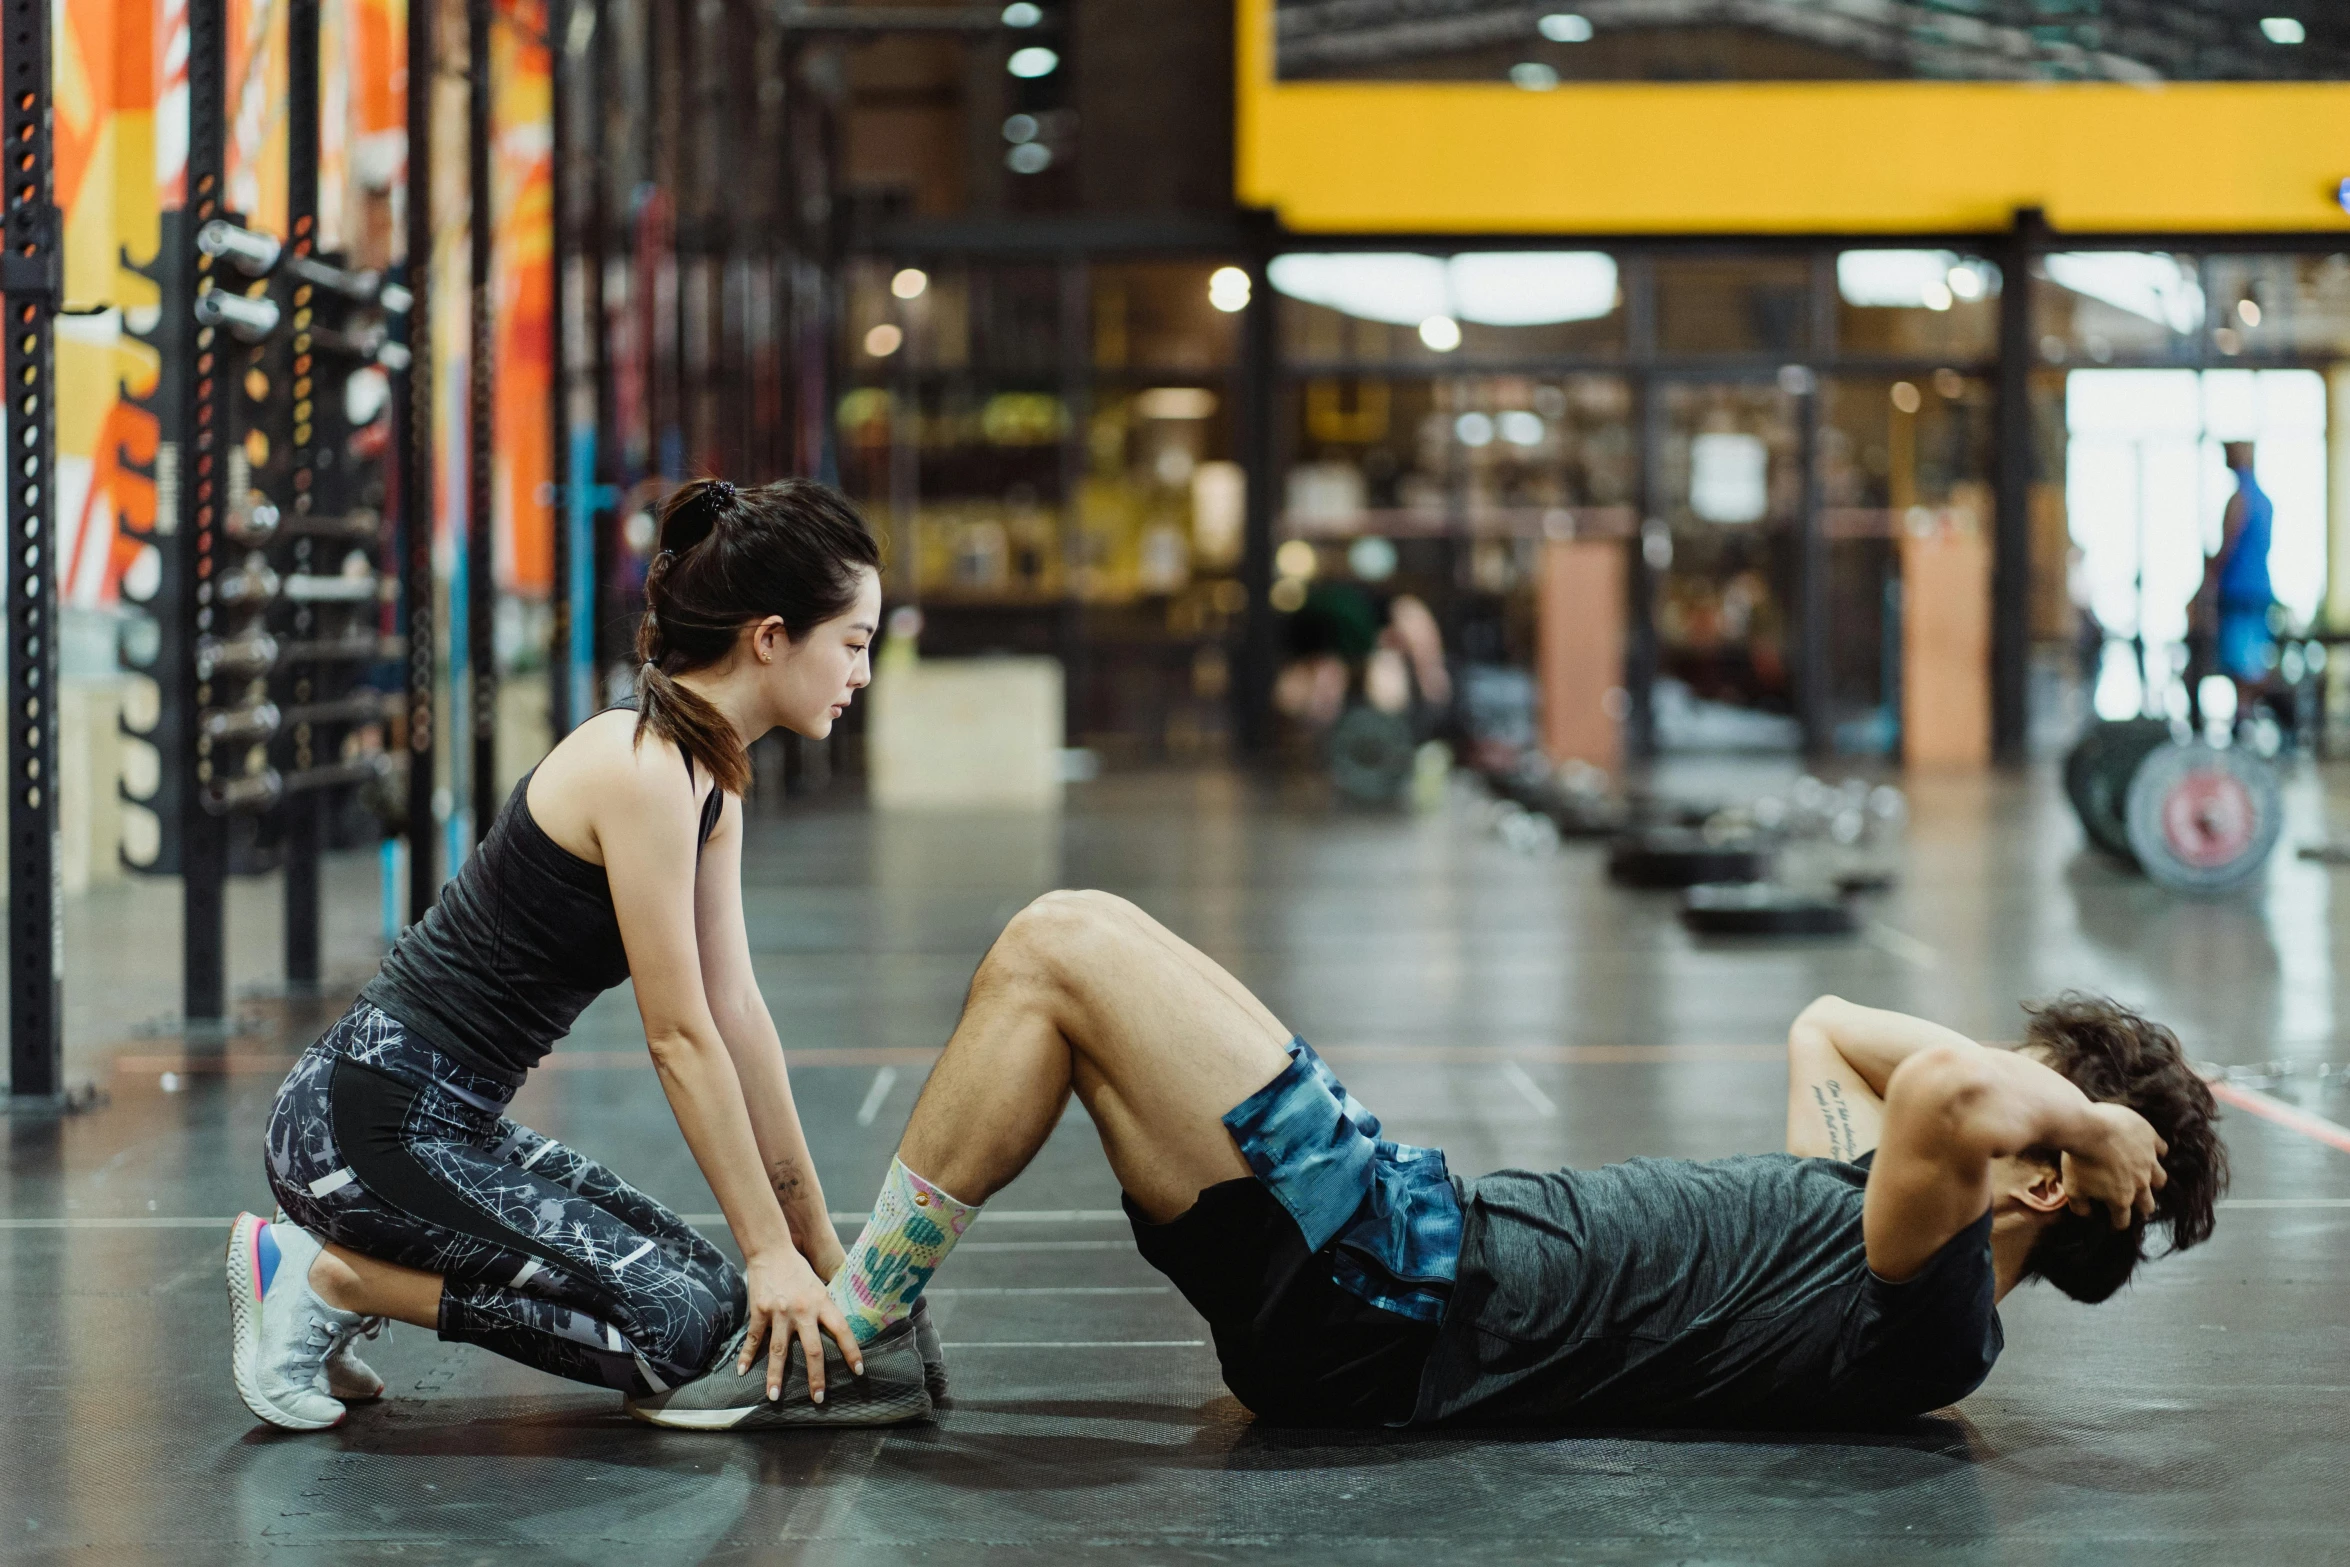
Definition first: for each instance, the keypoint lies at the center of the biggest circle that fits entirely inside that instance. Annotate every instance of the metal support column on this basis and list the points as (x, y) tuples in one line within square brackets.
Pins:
[(204, 500), (2011, 547), (417, 499), (1259, 451), (561, 480), (604, 460), (30, 274), (481, 583), (303, 815), (1652, 543)]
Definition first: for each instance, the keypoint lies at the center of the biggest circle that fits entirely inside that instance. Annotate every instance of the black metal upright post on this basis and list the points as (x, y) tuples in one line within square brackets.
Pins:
[(2011, 539), (559, 250), (417, 477), (481, 583), (1259, 450), (30, 272), (303, 815), (603, 539), (1649, 532), (204, 487)]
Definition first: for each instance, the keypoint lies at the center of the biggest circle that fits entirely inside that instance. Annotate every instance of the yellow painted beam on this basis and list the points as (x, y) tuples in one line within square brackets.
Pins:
[(1783, 157)]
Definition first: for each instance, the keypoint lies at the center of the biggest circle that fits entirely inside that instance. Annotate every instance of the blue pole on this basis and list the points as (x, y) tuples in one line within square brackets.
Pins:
[(580, 657)]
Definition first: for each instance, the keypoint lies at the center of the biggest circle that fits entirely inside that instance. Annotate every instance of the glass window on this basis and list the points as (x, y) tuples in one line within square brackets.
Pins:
[(1539, 47), (1733, 306), (2279, 304), (2094, 306), (1917, 303), (1159, 316)]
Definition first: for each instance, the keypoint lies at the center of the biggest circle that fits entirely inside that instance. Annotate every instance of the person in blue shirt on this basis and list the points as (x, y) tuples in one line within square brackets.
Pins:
[(2233, 603)]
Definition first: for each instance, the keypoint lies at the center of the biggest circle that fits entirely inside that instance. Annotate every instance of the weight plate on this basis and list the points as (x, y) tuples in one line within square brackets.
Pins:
[(1763, 909), (2097, 777), (2202, 820), (1678, 857), (1371, 756)]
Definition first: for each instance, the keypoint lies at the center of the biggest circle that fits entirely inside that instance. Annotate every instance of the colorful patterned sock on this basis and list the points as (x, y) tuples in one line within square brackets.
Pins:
[(914, 1225)]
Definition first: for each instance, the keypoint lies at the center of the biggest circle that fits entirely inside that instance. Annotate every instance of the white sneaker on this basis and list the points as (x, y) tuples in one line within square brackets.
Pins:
[(281, 1332), (348, 1377)]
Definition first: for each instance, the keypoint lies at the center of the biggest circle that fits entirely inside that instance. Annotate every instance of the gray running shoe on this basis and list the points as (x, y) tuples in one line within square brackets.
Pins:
[(934, 1355), (348, 1378), (280, 1331), (891, 1391)]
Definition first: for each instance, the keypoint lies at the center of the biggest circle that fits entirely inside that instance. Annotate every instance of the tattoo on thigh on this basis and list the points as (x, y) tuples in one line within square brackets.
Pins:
[(1843, 1141)]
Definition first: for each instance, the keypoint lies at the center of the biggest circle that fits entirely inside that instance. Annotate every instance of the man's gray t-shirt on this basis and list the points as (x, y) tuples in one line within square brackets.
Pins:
[(1671, 1292)]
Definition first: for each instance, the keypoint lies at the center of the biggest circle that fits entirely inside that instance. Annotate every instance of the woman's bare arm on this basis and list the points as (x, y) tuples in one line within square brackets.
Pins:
[(646, 814), (743, 1022)]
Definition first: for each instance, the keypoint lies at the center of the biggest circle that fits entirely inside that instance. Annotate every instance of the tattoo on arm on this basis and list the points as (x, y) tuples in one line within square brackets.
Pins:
[(1836, 1113), (787, 1180)]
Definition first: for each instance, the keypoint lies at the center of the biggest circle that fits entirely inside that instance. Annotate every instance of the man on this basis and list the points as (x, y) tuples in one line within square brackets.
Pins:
[(1350, 1280), (2230, 611)]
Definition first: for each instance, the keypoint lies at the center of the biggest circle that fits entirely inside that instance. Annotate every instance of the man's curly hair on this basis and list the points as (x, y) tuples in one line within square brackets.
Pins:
[(2116, 1056)]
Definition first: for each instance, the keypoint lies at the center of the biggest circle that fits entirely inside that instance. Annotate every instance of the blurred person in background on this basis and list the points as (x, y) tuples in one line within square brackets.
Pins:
[(2229, 614)]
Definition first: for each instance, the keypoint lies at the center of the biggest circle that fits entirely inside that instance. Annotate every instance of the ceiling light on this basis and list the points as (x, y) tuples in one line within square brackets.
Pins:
[(1021, 13), (884, 340), (1905, 397), (1964, 281), (1565, 27), (1030, 157), (1534, 76), (1490, 287), (1296, 559), (1935, 295), (1474, 429), (1175, 402), (1443, 334), (2283, 29), (1021, 127), (1520, 428), (1034, 61), (2248, 311), (910, 283), (1228, 289)]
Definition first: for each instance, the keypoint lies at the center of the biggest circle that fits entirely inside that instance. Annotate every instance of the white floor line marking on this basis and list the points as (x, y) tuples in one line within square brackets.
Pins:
[(2290, 1116), (1901, 944), (1081, 1343), (1067, 1289), (1528, 1089), (885, 1078)]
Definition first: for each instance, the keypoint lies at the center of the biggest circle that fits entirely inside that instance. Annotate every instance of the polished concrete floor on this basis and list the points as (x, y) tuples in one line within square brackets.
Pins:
[(1512, 1007)]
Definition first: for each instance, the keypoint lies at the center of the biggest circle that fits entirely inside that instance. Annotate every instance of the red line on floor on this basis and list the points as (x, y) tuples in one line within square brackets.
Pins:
[(2291, 1117)]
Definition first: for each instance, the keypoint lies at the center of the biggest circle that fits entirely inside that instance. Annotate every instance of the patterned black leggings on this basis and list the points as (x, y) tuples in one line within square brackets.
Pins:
[(382, 1144)]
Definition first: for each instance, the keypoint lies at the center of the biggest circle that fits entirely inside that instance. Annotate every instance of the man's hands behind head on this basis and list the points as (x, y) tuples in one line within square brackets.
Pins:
[(2122, 1170)]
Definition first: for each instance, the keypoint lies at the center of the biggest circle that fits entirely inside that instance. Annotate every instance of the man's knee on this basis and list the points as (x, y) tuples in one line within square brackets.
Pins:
[(1050, 943)]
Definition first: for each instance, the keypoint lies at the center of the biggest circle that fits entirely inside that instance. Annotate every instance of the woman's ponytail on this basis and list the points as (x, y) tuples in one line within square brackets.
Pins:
[(727, 558)]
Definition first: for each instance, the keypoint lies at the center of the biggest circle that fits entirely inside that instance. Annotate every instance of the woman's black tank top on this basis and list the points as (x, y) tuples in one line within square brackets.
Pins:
[(518, 944)]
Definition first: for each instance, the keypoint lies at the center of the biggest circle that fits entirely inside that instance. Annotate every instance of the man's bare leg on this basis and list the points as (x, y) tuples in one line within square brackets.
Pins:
[(1084, 992)]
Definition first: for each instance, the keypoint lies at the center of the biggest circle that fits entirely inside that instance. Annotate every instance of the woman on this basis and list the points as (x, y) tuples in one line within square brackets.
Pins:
[(404, 1191)]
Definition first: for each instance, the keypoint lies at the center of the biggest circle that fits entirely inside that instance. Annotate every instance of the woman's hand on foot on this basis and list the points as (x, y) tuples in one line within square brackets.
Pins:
[(788, 1301)]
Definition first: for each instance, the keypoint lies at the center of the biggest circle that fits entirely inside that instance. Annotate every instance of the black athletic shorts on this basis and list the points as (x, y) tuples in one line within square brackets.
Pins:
[(1296, 1348)]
